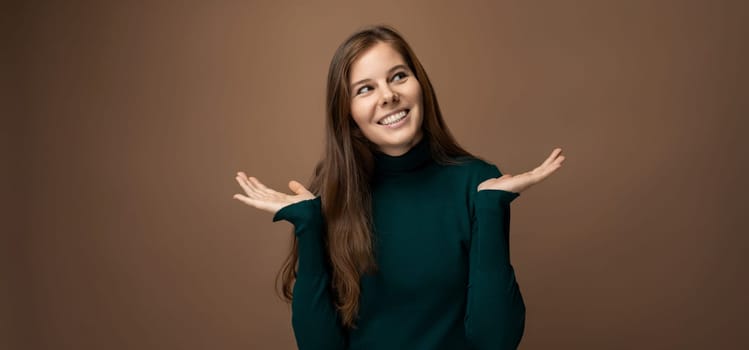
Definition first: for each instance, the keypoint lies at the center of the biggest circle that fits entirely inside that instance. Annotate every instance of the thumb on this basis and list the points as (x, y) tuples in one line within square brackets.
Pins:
[(298, 188)]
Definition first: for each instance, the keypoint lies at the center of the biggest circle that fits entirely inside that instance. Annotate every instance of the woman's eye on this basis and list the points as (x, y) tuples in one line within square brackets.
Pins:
[(399, 76), (362, 90)]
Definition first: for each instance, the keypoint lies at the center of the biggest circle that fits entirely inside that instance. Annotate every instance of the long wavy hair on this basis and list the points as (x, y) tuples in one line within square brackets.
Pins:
[(343, 176)]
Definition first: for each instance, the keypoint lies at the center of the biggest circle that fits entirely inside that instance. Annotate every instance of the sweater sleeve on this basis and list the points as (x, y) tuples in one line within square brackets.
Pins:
[(314, 318), (495, 314)]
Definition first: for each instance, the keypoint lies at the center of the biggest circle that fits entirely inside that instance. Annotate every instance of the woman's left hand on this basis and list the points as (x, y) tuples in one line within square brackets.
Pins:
[(519, 183)]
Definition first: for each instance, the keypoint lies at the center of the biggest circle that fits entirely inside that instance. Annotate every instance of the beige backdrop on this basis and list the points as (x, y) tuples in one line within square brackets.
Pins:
[(128, 122)]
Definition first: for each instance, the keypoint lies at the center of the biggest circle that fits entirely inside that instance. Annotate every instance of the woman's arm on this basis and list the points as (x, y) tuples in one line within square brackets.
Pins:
[(313, 315), (495, 315)]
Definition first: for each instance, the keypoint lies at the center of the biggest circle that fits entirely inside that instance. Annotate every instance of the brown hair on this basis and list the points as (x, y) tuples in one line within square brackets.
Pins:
[(342, 177)]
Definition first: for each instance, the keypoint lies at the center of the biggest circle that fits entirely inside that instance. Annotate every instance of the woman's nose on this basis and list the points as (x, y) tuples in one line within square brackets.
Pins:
[(388, 96)]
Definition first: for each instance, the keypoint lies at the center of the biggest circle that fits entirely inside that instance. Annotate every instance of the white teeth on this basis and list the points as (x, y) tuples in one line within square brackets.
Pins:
[(393, 118)]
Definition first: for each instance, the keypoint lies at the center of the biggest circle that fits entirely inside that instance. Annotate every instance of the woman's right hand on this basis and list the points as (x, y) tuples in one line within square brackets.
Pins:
[(264, 198)]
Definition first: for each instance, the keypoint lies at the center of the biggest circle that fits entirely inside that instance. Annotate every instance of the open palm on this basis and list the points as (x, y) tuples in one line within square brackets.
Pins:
[(264, 198), (519, 183)]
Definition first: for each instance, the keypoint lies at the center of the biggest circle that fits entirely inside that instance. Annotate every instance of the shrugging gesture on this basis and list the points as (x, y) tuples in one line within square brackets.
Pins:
[(264, 198), (520, 183), (313, 314)]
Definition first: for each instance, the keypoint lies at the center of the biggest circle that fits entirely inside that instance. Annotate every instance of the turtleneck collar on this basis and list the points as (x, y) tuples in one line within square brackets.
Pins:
[(415, 158)]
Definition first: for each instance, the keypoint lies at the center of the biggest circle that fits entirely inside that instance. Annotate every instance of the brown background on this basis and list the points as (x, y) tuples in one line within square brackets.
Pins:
[(127, 122)]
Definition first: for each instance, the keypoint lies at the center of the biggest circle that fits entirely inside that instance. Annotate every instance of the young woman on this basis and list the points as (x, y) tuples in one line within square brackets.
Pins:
[(402, 240)]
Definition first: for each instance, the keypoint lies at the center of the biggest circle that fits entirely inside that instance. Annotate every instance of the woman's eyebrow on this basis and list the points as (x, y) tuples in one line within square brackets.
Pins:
[(389, 71)]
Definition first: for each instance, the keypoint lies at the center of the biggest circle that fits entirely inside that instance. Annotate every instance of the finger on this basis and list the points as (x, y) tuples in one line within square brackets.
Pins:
[(245, 186), (265, 191), (556, 152), (259, 185), (242, 175), (298, 188), (544, 171), (242, 179), (559, 160), (259, 190)]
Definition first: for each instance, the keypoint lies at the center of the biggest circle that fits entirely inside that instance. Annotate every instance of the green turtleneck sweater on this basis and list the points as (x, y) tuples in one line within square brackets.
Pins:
[(444, 278)]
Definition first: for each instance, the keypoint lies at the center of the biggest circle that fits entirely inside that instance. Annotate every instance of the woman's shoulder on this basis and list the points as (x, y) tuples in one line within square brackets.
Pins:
[(478, 167), (469, 171)]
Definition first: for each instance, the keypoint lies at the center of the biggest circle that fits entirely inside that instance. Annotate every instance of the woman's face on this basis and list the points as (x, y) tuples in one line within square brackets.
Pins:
[(386, 99)]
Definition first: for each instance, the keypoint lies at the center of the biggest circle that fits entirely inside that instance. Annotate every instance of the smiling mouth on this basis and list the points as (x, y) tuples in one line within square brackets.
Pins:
[(393, 118)]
